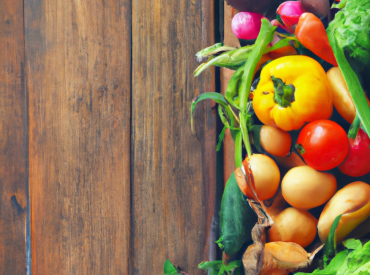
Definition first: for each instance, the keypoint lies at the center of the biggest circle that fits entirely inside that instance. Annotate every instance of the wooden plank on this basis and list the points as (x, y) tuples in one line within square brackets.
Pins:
[(231, 40), (173, 183), (78, 66), (13, 140)]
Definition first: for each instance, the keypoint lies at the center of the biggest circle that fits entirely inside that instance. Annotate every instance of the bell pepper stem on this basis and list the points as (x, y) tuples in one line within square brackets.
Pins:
[(284, 94)]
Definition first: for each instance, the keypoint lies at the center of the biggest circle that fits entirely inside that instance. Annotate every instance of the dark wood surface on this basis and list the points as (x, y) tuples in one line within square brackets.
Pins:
[(78, 65), (95, 133), (13, 140), (173, 172)]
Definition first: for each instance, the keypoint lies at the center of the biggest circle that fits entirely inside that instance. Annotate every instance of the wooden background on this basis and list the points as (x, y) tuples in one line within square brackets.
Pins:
[(95, 144)]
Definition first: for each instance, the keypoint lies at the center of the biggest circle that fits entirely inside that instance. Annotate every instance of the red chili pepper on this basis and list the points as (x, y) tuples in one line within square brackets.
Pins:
[(312, 34)]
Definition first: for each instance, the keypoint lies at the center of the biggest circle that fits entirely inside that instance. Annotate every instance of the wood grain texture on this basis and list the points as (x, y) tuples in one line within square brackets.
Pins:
[(231, 40), (13, 140), (78, 71), (173, 182)]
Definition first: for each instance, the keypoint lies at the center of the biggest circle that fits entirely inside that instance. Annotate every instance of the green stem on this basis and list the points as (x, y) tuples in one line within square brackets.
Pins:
[(355, 126), (264, 38), (352, 81), (284, 94)]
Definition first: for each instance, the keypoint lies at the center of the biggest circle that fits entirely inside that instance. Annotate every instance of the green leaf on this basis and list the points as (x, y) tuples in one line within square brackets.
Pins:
[(333, 267), (330, 245), (210, 265), (236, 218), (220, 99), (221, 138), (168, 267), (233, 89), (358, 261), (350, 77)]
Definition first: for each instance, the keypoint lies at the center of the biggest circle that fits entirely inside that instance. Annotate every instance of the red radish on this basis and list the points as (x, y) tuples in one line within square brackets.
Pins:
[(246, 25), (290, 11), (357, 163)]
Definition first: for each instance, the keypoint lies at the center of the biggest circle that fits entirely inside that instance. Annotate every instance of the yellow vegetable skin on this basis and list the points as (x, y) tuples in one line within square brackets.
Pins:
[(294, 225), (275, 141), (353, 201), (292, 90), (305, 188)]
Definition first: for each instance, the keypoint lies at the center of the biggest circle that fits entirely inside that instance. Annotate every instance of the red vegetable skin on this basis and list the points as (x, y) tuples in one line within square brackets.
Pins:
[(246, 25), (323, 144), (312, 34), (290, 11), (357, 163)]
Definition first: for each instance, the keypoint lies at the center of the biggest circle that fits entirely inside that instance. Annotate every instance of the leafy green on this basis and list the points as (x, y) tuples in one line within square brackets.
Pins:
[(333, 267), (217, 267), (349, 33), (236, 218), (355, 260), (352, 25), (169, 268), (226, 113)]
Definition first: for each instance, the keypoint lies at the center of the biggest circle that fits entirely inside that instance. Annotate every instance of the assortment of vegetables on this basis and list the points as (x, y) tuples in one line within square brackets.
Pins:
[(297, 98)]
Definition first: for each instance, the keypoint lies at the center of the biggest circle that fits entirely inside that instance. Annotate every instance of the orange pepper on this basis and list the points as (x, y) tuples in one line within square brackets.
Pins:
[(312, 34)]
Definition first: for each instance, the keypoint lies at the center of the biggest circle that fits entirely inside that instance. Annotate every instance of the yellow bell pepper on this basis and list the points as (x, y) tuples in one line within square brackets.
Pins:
[(292, 90)]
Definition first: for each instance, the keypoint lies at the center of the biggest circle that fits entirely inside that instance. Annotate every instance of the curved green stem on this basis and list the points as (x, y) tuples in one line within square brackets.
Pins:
[(264, 38), (355, 126), (243, 127), (352, 81)]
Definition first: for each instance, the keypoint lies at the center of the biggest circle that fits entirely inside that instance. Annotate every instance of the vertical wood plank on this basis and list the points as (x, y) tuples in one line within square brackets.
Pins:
[(173, 182), (78, 70), (13, 140), (230, 40)]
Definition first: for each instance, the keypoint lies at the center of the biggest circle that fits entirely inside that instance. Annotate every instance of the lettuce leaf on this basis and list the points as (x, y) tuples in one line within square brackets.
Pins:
[(355, 260)]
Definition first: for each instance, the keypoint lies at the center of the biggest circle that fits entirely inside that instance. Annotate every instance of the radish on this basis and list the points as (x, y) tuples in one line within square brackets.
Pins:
[(246, 25), (290, 11)]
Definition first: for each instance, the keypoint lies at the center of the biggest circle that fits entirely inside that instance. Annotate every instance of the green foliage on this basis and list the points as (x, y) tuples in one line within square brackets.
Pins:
[(218, 268), (355, 260), (236, 218), (169, 268), (352, 25), (330, 245)]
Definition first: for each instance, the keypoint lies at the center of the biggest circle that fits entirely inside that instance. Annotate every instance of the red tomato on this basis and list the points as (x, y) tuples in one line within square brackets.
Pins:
[(323, 144), (357, 163)]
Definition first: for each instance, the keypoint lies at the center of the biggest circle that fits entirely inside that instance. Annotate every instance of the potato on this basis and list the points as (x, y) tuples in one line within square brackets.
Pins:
[(275, 141), (266, 177), (353, 201), (294, 225), (304, 187)]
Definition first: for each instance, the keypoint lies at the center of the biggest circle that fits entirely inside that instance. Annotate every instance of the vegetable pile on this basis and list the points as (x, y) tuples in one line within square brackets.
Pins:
[(297, 110)]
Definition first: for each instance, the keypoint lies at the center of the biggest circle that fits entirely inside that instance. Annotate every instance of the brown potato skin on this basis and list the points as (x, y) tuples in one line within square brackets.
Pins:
[(266, 176), (294, 225), (342, 100), (275, 141), (353, 201), (305, 188)]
